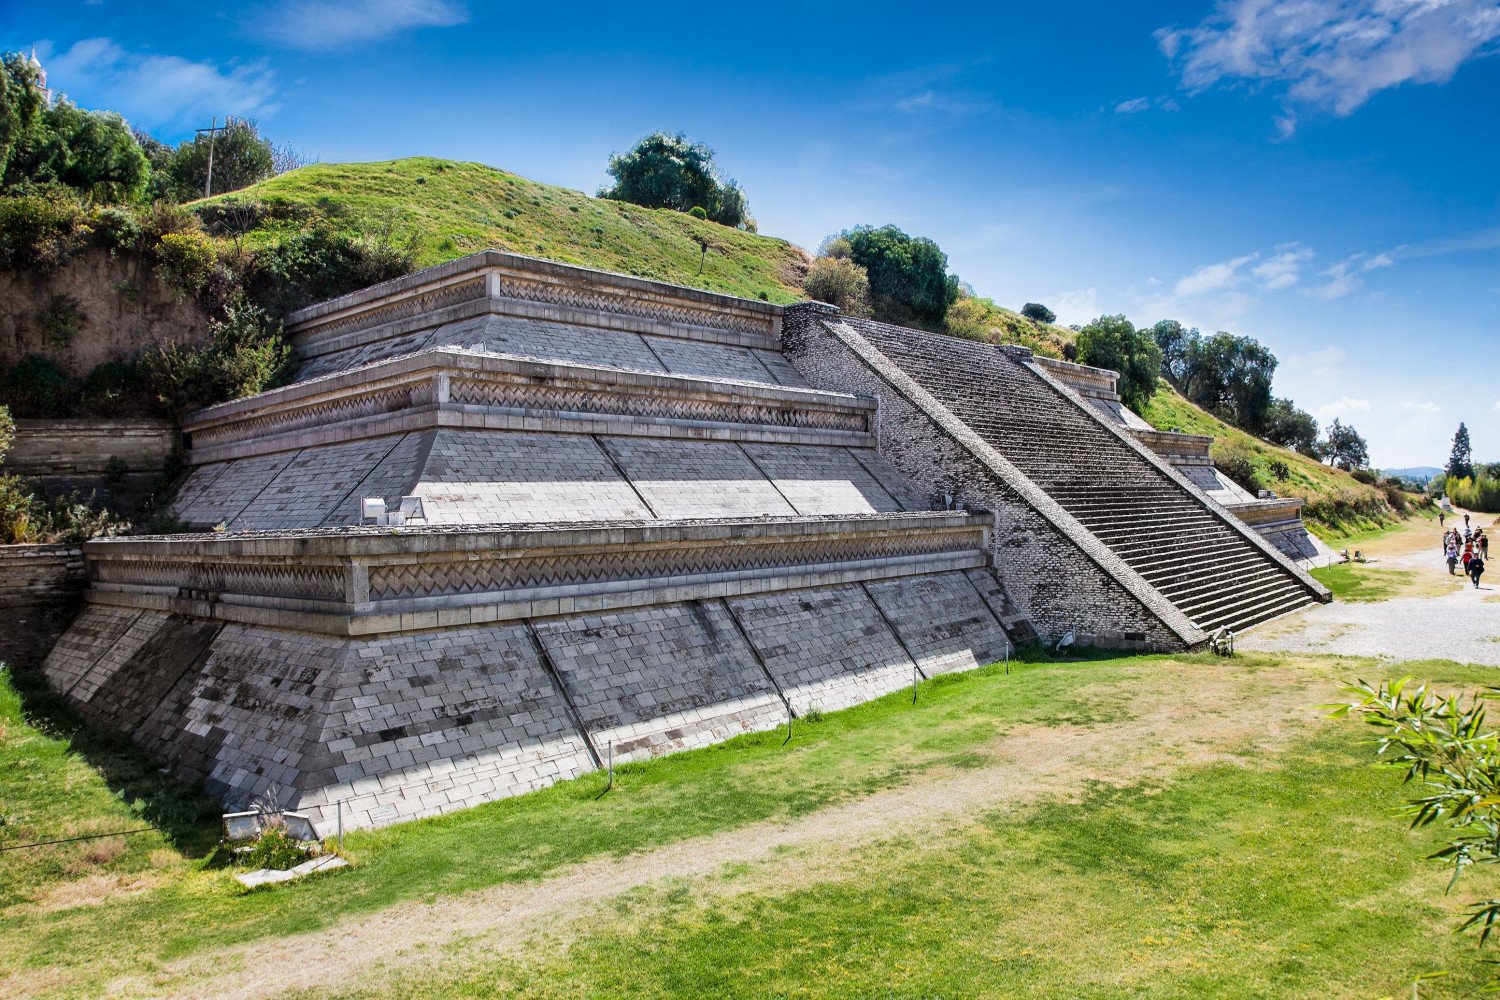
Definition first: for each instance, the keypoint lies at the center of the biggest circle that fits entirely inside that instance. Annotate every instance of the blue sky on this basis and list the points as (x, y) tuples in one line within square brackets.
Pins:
[(1324, 176)]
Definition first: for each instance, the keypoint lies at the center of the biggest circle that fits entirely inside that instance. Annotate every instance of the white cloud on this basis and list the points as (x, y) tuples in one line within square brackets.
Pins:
[(1332, 55), (1496, 407), (161, 91), (1078, 306), (1132, 106), (1283, 268), (331, 24), (1346, 276), (1212, 277), (1341, 409), (1427, 407)]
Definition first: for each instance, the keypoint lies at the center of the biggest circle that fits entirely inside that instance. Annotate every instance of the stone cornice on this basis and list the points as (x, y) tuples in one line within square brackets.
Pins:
[(572, 292), (459, 389), (367, 581)]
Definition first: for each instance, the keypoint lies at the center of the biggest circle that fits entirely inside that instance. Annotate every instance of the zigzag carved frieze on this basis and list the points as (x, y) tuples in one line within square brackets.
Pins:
[(626, 302), (658, 404), (305, 582), (583, 569), (431, 301), (386, 399), (510, 392)]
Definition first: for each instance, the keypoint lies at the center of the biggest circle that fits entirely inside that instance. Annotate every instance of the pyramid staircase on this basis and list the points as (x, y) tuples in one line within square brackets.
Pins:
[(1215, 572)]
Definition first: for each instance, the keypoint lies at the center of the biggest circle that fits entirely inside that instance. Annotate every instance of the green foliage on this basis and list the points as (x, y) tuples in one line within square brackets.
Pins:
[(246, 354), (184, 260), (39, 231), (1357, 583), (322, 262), (91, 152), (7, 432), (1038, 312), (909, 279), (21, 106), (977, 318), (1480, 493), (60, 320), (1461, 457), (698, 212), (274, 848), (668, 171), (19, 511), (1279, 470), (35, 388), (1113, 342), (241, 157), (1446, 748), (113, 389), (840, 282), (1342, 446), (1291, 427), (1236, 462)]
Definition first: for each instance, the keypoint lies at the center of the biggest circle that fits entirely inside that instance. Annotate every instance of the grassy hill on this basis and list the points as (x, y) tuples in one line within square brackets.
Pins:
[(450, 209), (1337, 503)]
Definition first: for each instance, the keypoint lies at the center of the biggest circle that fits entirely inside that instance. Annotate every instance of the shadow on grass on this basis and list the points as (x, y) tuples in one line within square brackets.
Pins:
[(180, 810)]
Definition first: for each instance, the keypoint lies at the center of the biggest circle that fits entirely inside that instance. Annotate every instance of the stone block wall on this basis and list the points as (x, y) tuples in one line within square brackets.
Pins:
[(423, 722), (41, 589), (1045, 562), (73, 448)]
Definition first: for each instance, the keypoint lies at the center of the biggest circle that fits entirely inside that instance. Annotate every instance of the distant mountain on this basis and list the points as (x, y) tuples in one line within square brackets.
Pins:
[(1421, 473)]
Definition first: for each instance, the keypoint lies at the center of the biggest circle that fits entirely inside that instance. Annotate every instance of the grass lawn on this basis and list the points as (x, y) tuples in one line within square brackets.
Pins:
[(452, 209), (1274, 864), (1362, 584)]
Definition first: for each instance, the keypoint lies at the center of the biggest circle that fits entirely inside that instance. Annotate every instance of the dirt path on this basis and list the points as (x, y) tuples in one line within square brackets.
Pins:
[(1179, 715)]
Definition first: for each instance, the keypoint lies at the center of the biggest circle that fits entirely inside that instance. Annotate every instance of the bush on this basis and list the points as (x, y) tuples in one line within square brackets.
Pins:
[(184, 260), (1481, 493), (60, 320), (697, 212), (1395, 496), (39, 231), (7, 432), (246, 354), (909, 279), (19, 511), (321, 263), (274, 848), (117, 229), (1113, 342), (1363, 476), (1280, 471), (839, 282), (36, 387), (1038, 312), (113, 389), (1238, 464)]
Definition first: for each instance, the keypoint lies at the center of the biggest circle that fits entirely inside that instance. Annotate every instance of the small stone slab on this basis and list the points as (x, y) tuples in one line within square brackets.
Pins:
[(272, 876)]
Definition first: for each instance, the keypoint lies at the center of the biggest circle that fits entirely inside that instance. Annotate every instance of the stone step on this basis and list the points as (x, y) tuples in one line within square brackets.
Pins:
[(1263, 613)]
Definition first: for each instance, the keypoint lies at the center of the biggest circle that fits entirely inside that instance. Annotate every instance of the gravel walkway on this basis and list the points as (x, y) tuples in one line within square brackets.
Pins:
[(1462, 626)]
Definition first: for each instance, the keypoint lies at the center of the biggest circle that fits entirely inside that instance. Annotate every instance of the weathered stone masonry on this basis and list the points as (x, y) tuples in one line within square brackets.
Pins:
[(647, 529)]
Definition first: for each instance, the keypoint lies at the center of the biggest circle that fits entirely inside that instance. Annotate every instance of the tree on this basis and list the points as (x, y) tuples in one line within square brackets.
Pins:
[(1176, 343), (241, 158), (840, 282), (1038, 312), (1343, 447), (1461, 458), (1114, 342), (668, 171), (1291, 427), (92, 152), (909, 279), (1230, 377), (21, 106)]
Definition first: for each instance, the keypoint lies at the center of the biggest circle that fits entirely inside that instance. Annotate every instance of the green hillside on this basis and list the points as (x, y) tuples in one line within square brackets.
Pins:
[(1337, 503), (451, 209)]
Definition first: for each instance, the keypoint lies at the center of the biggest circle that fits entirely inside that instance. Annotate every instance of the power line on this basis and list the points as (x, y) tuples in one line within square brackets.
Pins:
[(70, 840)]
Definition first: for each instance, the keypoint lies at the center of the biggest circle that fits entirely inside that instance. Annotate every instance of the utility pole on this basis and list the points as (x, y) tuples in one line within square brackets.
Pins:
[(213, 129)]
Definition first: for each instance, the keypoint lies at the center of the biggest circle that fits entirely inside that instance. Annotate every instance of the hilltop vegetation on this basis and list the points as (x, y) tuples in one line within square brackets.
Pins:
[(1337, 502), (444, 209)]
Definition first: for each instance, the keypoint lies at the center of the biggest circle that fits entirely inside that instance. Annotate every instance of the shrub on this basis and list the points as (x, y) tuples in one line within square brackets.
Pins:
[(246, 354), (1280, 471), (36, 387), (39, 231), (839, 282), (1395, 496), (1363, 476), (1236, 463), (1038, 312), (274, 848), (971, 319), (184, 260), (113, 389), (697, 212), (1113, 342), (60, 320), (19, 511), (321, 263), (909, 279), (7, 432), (668, 171)]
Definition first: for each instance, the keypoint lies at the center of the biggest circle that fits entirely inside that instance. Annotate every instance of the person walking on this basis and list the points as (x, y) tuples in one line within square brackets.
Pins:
[(1452, 558), (1476, 569), (1441, 517)]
